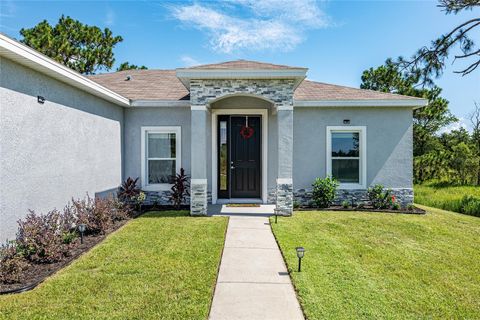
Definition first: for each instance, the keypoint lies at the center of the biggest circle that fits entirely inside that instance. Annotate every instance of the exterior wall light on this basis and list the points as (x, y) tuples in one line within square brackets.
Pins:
[(82, 227), (40, 99), (300, 254), (346, 121)]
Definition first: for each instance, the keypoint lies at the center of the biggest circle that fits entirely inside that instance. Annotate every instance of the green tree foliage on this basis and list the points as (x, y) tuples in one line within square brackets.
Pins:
[(430, 61), (454, 156), (427, 120), (128, 66), (475, 122), (86, 49), (463, 162)]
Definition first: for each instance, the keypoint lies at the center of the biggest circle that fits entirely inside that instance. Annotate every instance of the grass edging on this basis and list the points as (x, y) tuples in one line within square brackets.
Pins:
[(218, 269), (288, 268)]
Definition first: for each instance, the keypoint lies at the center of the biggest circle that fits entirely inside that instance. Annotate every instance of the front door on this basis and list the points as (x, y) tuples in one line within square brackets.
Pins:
[(239, 157)]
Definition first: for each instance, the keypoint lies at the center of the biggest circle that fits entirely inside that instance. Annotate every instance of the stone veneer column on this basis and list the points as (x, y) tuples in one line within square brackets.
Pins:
[(198, 184), (284, 192)]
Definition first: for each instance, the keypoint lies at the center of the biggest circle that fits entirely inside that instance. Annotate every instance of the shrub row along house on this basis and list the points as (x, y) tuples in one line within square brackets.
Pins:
[(240, 129)]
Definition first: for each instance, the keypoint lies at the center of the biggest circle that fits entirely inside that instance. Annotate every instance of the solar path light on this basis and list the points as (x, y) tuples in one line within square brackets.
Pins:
[(300, 254), (82, 227)]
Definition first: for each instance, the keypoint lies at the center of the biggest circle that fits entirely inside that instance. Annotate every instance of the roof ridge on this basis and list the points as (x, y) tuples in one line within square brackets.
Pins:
[(246, 61)]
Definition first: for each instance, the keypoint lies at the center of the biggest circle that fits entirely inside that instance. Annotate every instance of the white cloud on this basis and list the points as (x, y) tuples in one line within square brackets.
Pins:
[(7, 9), (461, 123), (109, 17), (189, 61), (273, 24), (306, 12)]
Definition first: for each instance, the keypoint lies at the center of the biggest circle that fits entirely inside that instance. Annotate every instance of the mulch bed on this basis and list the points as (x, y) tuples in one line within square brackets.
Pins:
[(415, 210), (37, 273)]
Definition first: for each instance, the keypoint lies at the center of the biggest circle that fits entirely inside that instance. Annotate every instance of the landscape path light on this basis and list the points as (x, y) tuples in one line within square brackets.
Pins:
[(276, 213), (300, 254), (82, 227)]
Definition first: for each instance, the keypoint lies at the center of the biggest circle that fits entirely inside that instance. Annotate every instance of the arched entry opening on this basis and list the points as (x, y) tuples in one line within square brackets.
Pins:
[(239, 148)]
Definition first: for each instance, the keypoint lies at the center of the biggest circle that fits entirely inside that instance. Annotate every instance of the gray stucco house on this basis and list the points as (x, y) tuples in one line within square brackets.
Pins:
[(241, 129)]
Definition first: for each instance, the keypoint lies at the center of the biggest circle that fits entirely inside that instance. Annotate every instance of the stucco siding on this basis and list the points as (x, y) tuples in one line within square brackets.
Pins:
[(66, 147), (389, 143)]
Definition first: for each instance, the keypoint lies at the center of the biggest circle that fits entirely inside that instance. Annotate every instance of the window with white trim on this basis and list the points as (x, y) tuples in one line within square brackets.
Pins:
[(346, 159), (160, 156)]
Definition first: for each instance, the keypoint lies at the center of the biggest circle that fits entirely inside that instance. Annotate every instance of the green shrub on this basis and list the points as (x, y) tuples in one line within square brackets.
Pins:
[(323, 192), (296, 204), (345, 204), (470, 205), (448, 197), (379, 197), (395, 206)]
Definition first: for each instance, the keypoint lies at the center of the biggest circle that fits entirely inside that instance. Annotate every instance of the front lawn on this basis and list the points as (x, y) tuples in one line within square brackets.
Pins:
[(380, 265), (445, 197), (162, 265)]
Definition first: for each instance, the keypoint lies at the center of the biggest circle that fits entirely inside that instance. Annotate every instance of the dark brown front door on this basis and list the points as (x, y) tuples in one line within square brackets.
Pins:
[(239, 147)]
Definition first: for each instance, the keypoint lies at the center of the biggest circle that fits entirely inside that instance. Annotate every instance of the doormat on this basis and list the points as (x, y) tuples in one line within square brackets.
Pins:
[(247, 205)]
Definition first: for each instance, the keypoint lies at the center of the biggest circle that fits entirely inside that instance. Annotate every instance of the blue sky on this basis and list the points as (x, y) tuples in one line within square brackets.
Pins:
[(336, 40)]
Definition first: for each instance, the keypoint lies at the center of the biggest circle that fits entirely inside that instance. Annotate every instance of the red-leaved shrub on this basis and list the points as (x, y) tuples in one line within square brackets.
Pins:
[(12, 264), (128, 190), (40, 237), (47, 238), (98, 214)]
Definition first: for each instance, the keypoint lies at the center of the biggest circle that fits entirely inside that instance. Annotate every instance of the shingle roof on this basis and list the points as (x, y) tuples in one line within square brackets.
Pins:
[(312, 90), (164, 85), (243, 65), (144, 84)]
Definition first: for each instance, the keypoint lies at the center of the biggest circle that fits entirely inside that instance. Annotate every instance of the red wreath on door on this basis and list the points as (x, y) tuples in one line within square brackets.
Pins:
[(246, 132)]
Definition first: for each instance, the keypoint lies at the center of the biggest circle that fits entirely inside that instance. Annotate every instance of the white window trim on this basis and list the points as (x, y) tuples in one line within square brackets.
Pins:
[(362, 130), (178, 163)]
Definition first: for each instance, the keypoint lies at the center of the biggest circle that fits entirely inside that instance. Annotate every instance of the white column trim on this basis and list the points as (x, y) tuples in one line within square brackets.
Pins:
[(284, 108), (264, 143), (284, 181), (198, 181), (199, 108)]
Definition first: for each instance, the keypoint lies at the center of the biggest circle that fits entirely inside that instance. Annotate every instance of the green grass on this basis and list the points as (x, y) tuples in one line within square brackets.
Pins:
[(444, 197), (384, 266), (162, 265)]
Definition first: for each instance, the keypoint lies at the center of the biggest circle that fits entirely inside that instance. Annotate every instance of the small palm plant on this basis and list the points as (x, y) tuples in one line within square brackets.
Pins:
[(179, 189)]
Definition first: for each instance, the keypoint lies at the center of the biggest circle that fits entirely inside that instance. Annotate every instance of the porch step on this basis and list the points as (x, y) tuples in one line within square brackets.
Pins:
[(224, 210), (240, 200)]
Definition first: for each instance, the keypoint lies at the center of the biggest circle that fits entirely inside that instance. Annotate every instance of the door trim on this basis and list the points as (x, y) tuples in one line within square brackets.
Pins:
[(264, 147)]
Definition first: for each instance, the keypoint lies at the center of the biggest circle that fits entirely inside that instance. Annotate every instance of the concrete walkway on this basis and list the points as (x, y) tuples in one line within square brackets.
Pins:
[(253, 282)]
